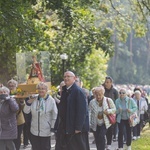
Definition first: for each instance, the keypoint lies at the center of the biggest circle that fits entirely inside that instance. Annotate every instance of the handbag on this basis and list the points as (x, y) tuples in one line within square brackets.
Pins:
[(133, 119), (111, 117)]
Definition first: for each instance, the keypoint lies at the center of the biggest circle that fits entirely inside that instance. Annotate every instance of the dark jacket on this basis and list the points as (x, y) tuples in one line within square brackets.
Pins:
[(8, 122), (76, 116), (111, 93)]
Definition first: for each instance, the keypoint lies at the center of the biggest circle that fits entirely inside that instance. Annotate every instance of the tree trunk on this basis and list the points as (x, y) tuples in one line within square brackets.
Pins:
[(148, 54), (131, 46)]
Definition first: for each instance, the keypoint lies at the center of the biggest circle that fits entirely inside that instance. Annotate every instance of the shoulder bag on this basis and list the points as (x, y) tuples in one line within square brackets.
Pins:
[(133, 119), (111, 117)]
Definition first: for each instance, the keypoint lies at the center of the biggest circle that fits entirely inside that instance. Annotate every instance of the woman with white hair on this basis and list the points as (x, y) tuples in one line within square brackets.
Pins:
[(8, 122), (44, 113), (142, 108), (99, 109)]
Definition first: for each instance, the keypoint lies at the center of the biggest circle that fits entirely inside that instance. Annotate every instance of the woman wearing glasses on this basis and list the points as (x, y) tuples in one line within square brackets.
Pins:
[(125, 106), (44, 113)]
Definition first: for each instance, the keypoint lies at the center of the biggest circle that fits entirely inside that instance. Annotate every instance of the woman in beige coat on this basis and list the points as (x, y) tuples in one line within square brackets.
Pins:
[(12, 85)]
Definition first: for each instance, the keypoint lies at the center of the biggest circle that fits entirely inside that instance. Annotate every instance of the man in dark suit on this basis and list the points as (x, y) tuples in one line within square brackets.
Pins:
[(73, 115)]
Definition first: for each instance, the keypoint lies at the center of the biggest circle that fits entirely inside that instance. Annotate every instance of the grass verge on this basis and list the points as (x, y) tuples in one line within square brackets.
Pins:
[(144, 142)]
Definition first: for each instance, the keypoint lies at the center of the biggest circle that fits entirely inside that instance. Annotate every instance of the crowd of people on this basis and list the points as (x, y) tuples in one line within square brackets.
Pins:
[(71, 115)]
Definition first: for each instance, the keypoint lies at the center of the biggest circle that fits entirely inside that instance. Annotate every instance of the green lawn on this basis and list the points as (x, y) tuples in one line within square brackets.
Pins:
[(144, 142)]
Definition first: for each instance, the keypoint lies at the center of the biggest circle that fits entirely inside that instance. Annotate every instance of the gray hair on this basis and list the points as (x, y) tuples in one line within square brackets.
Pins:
[(70, 72), (4, 89), (42, 84), (100, 88), (123, 89), (12, 81)]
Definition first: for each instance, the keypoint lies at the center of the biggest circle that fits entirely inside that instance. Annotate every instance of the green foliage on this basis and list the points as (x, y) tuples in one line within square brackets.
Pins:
[(75, 27), (16, 30), (95, 68), (77, 39)]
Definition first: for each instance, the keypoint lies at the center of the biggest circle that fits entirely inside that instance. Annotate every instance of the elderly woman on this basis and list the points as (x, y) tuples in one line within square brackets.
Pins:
[(142, 108), (12, 85), (125, 106), (44, 113), (8, 122), (99, 108)]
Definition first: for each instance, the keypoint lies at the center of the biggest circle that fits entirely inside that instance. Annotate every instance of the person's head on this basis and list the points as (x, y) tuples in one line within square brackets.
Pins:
[(99, 93), (122, 93), (108, 82), (42, 89), (129, 93), (12, 84), (34, 58), (4, 90), (69, 78), (78, 82), (137, 94), (138, 88), (86, 91)]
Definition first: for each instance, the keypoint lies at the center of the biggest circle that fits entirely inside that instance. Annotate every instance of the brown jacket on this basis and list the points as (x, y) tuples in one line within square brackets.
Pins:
[(19, 114)]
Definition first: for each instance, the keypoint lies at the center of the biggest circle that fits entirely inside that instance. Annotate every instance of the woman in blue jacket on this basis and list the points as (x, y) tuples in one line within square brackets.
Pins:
[(125, 106)]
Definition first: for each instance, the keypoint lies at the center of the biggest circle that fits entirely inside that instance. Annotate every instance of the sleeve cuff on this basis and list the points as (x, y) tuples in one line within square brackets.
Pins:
[(28, 104)]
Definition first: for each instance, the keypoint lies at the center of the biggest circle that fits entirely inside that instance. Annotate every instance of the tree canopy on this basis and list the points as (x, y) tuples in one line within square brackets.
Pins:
[(81, 29)]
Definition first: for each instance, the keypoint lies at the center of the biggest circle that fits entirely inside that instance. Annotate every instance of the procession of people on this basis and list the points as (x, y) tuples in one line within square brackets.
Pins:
[(77, 112)]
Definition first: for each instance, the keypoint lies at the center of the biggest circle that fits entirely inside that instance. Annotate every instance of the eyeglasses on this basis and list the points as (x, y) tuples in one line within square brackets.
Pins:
[(68, 76), (122, 93)]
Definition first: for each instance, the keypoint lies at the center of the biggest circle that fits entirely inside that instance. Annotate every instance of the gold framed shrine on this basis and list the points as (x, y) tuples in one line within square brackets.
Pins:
[(31, 69)]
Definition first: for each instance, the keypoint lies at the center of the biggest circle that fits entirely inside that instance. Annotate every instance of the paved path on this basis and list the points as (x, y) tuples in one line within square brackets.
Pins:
[(91, 138)]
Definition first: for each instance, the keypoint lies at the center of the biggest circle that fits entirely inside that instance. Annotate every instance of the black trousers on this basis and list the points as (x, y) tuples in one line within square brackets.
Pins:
[(40, 143), (109, 134), (124, 124), (78, 141), (18, 140), (99, 136), (26, 134)]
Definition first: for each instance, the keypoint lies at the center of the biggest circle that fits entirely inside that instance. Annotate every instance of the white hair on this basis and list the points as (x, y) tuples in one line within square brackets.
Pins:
[(42, 84), (99, 88), (12, 81), (137, 92), (70, 73), (4, 89)]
